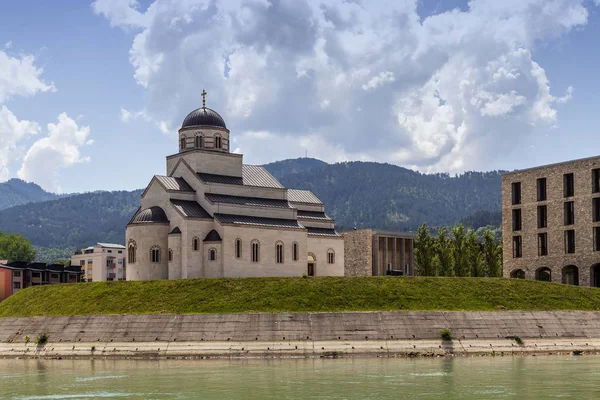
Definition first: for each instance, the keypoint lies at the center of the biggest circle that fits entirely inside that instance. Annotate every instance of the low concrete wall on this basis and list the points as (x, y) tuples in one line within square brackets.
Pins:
[(301, 334)]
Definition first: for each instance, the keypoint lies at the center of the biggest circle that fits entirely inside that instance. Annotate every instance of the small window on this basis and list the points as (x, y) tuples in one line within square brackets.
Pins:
[(255, 249), (596, 209), (596, 180), (199, 141), (597, 238), (542, 216), (218, 142), (53, 276), (16, 285), (131, 252), (110, 251), (570, 241), (90, 261), (542, 244), (238, 248), (517, 247), (541, 189), (120, 251), (16, 274), (569, 212), (195, 244), (330, 256), (516, 193), (212, 254), (155, 254), (516, 220), (82, 263), (182, 143), (569, 185), (279, 252), (170, 255), (295, 251)]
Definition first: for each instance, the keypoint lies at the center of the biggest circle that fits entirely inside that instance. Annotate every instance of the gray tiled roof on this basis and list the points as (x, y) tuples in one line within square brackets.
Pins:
[(178, 184), (322, 232), (302, 196), (313, 215), (190, 209), (150, 215), (252, 175), (260, 221), (213, 236), (247, 201)]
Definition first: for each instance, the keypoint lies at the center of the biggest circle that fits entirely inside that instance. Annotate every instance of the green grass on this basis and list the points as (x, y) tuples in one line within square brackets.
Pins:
[(318, 294)]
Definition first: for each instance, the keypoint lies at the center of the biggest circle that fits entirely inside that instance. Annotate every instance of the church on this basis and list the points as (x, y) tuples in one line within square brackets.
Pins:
[(211, 215)]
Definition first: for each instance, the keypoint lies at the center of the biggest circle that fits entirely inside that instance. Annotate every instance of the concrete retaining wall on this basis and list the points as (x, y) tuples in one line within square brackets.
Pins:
[(301, 334)]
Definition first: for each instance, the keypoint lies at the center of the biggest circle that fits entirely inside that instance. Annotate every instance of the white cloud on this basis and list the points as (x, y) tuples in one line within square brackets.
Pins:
[(20, 77), (12, 131), (60, 149), (449, 92), (8, 44)]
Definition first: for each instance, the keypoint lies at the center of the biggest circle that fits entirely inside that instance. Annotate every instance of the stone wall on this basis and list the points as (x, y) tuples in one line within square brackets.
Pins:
[(585, 256), (358, 252)]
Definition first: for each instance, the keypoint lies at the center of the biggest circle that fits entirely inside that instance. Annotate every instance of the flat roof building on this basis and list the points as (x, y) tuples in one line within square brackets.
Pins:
[(20, 275), (101, 262), (551, 223)]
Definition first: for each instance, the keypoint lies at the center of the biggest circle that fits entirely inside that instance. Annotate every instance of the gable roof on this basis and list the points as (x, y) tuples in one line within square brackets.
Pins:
[(174, 184), (175, 231), (213, 236), (322, 232), (246, 201), (252, 175), (190, 209), (303, 196), (258, 221)]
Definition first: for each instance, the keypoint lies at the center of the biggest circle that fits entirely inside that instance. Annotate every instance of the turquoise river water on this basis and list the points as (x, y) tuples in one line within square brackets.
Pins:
[(542, 377)]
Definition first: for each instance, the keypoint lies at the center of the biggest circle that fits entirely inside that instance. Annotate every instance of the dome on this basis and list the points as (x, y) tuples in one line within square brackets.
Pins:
[(152, 214), (204, 116)]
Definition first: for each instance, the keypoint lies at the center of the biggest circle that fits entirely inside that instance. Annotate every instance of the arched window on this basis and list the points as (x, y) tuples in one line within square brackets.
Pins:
[(330, 256), (279, 252), (212, 254), (199, 141), (218, 142), (182, 143), (255, 256), (238, 248), (195, 244), (155, 254), (294, 251), (170, 255), (131, 251)]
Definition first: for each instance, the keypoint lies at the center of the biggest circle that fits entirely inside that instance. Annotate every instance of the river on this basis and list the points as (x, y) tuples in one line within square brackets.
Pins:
[(541, 377)]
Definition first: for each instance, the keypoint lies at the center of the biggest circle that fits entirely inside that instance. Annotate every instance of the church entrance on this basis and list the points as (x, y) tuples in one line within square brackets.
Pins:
[(311, 264), (595, 281)]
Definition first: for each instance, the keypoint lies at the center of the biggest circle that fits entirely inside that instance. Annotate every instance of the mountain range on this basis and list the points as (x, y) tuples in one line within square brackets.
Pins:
[(356, 194)]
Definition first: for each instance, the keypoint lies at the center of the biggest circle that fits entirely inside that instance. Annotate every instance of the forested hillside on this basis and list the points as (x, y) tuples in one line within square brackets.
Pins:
[(15, 192), (361, 194)]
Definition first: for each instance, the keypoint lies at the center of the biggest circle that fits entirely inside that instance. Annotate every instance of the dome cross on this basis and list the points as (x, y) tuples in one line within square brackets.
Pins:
[(204, 98)]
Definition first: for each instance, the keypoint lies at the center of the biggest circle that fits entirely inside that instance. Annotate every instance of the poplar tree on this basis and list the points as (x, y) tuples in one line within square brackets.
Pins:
[(474, 254), (492, 255), (459, 251), (443, 251), (424, 252)]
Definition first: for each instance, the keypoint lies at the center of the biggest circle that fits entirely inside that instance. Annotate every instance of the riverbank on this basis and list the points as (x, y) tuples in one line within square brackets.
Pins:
[(282, 335)]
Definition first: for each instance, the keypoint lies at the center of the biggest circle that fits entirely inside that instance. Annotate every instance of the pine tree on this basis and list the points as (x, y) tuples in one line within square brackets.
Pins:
[(424, 252)]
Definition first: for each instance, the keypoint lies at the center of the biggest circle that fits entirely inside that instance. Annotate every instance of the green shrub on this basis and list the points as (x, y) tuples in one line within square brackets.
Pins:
[(446, 334), (27, 339), (519, 341), (42, 339)]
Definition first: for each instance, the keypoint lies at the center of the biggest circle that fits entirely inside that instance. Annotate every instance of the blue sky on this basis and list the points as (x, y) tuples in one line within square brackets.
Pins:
[(431, 85)]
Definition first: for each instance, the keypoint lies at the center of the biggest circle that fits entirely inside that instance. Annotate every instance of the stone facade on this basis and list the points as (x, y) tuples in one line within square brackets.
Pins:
[(212, 216), (582, 266), (376, 253)]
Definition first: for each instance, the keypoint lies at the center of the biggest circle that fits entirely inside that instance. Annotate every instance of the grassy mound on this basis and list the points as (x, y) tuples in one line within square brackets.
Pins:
[(318, 294)]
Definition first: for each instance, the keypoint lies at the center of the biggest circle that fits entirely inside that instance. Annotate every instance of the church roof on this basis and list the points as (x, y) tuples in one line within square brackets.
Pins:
[(190, 209), (258, 221), (302, 196), (252, 175), (175, 184), (204, 116), (313, 215), (213, 236), (175, 231), (150, 215), (322, 232), (247, 201)]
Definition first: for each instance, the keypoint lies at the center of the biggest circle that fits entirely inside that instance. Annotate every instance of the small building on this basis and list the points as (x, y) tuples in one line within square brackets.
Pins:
[(551, 223), (20, 275), (375, 253), (101, 262)]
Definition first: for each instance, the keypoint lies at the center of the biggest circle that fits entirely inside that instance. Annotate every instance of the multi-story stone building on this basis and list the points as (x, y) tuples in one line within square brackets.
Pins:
[(213, 216), (101, 262), (551, 222), (369, 252)]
